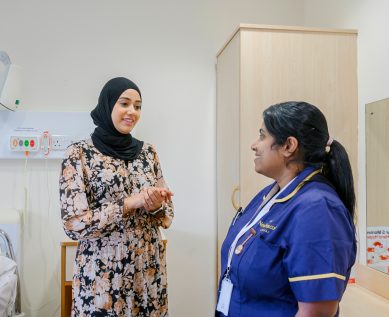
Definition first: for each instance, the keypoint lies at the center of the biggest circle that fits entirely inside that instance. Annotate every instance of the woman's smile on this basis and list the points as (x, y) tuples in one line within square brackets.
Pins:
[(128, 121)]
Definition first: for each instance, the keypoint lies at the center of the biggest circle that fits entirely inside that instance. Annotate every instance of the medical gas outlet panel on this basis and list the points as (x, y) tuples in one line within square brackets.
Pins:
[(39, 135), (20, 143)]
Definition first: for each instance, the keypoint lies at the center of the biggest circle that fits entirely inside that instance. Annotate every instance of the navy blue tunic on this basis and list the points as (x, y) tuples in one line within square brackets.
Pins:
[(303, 250)]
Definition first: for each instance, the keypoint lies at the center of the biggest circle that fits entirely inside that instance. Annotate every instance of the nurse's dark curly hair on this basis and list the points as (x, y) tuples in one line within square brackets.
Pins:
[(308, 125)]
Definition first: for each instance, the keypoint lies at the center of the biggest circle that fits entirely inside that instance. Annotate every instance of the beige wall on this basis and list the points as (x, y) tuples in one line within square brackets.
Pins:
[(68, 49), (370, 18)]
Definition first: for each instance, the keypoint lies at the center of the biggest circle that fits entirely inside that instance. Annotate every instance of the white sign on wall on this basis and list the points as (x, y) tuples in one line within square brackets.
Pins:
[(378, 248)]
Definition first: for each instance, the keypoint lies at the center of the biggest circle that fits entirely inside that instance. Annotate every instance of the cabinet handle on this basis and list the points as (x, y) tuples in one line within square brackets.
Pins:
[(236, 206)]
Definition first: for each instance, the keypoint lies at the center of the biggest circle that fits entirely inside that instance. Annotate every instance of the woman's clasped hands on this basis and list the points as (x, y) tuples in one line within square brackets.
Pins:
[(150, 199)]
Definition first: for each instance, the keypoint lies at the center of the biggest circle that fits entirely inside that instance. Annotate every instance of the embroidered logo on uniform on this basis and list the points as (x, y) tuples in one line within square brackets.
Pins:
[(266, 227)]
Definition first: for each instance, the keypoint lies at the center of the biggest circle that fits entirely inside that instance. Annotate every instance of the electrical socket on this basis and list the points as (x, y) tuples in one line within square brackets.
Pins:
[(60, 142)]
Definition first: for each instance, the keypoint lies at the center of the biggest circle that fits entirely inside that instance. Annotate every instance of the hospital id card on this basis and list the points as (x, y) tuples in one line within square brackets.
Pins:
[(223, 304)]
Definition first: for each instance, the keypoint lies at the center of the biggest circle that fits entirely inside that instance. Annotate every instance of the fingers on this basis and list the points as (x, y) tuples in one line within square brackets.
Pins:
[(154, 194), (167, 194), (148, 203), (154, 197)]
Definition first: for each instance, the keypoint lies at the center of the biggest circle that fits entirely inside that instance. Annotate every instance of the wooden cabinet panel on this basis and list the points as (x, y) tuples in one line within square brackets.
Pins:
[(227, 134), (263, 65)]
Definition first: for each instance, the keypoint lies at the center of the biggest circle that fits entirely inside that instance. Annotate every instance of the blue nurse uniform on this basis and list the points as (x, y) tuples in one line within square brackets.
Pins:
[(302, 251)]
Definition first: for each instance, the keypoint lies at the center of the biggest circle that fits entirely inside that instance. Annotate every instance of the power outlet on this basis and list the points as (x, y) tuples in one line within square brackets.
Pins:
[(60, 142)]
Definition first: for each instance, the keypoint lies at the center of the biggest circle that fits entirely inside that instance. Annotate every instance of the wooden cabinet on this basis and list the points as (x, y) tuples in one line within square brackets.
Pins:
[(68, 253), (263, 65)]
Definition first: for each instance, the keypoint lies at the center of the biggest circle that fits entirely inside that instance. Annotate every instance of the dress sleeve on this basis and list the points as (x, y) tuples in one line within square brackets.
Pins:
[(165, 217), (321, 250), (80, 221)]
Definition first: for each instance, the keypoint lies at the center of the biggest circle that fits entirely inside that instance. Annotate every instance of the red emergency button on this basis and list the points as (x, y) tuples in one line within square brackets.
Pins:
[(32, 143)]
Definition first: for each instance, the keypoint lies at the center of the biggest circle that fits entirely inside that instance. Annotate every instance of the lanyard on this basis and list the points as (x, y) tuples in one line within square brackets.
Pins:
[(259, 213)]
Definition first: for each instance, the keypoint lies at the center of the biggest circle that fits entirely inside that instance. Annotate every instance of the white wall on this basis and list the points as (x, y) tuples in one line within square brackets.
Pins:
[(370, 18), (68, 49)]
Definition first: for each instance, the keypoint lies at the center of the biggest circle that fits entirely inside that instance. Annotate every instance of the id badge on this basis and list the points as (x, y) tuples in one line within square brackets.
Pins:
[(223, 304)]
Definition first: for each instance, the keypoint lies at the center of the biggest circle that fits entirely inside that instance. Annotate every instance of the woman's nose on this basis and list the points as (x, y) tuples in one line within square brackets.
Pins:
[(131, 109), (254, 146)]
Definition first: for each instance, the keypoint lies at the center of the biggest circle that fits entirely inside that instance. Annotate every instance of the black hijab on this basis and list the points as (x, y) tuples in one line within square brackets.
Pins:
[(106, 138)]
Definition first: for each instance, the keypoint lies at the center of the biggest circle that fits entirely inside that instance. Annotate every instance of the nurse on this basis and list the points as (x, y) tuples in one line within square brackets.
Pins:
[(290, 251)]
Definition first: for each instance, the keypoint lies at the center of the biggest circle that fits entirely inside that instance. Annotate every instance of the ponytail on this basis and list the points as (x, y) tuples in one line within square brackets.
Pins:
[(337, 169)]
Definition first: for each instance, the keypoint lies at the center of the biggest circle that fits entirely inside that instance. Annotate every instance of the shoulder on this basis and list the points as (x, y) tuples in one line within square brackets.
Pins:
[(316, 194), (74, 150), (77, 149), (318, 206), (148, 148), (149, 151)]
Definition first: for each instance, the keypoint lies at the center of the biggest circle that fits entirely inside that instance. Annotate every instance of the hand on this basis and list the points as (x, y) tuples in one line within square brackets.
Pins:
[(144, 200), (133, 202), (167, 194), (155, 196)]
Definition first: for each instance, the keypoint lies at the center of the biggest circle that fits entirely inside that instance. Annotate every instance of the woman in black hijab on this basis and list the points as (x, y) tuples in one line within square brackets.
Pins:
[(114, 199)]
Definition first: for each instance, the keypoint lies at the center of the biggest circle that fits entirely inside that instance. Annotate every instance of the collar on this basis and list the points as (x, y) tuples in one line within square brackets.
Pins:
[(300, 180)]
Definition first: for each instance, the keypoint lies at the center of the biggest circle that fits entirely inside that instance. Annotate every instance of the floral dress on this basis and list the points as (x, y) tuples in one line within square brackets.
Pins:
[(120, 266)]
